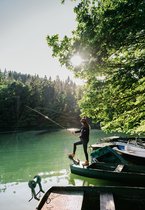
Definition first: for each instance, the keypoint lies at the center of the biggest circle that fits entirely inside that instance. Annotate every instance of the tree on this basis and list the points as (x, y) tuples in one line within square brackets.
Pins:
[(18, 92), (110, 36)]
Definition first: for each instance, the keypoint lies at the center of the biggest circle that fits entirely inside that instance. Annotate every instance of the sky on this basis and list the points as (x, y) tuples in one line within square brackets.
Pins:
[(24, 26)]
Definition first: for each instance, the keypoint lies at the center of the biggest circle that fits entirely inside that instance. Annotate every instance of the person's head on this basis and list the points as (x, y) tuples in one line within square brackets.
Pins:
[(84, 121)]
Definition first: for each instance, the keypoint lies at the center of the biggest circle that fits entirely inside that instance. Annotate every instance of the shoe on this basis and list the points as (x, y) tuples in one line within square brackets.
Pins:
[(71, 155), (86, 163)]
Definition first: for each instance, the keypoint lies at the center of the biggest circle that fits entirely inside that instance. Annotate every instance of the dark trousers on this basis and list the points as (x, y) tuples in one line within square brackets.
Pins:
[(84, 142)]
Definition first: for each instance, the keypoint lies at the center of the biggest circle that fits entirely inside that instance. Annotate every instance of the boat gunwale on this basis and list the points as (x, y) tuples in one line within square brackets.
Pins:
[(93, 189)]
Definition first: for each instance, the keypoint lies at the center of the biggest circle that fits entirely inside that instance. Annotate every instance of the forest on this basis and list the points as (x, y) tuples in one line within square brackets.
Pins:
[(21, 93)]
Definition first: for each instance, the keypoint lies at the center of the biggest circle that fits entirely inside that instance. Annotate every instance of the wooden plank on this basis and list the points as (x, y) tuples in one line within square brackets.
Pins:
[(107, 201), (62, 201), (119, 168)]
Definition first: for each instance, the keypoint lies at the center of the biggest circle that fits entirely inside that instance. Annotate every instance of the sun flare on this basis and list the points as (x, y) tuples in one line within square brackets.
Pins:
[(76, 60)]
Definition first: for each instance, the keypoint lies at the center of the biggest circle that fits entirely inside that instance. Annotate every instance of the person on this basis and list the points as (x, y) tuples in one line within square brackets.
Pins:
[(84, 139)]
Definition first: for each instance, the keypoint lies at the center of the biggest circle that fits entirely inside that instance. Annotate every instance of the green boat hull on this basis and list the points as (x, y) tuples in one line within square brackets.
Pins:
[(130, 174)]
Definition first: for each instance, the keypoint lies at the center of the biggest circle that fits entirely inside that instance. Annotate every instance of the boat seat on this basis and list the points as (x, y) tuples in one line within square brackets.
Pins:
[(119, 168), (65, 201), (107, 201)]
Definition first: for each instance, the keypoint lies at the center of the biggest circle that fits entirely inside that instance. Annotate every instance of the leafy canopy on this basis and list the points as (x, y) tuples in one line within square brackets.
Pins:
[(110, 37)]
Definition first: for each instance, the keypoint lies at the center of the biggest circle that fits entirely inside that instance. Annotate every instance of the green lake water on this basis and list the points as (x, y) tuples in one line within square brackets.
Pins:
[(24, 155)]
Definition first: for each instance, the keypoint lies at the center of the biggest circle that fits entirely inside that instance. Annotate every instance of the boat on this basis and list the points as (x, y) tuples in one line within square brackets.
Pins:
[(107, 141), (107, 164), (108, 155), (117, 140), (93, 197), (125, 174), (131, 152)]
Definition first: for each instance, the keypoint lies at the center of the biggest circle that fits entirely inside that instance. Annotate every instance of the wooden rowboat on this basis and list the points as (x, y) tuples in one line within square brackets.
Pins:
[(86, 198), (107, 164), (127, 174), (131, 152)]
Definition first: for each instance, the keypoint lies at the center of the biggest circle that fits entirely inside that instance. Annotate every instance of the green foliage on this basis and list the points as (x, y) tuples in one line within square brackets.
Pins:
[(110, 36), (56, 99)]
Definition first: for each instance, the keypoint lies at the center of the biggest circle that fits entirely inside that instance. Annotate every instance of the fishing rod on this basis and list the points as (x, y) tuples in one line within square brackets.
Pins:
[(48, 118)]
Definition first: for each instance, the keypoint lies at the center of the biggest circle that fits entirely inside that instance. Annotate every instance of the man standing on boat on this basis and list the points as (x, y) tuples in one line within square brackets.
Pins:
[(84, 139)]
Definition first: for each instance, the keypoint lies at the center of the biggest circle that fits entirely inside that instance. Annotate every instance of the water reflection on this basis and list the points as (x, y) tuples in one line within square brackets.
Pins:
[(24, 155), (84, 181), (19, 194)]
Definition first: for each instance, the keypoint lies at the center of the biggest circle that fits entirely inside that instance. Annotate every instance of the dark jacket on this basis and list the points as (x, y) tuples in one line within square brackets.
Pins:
[(84, 133)]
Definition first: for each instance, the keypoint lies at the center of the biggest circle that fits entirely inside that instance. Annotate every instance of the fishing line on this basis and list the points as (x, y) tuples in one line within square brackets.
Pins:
[(48, 118)]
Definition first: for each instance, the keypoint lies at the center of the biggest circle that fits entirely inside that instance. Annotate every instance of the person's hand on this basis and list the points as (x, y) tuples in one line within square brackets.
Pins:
[(71, 130)]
